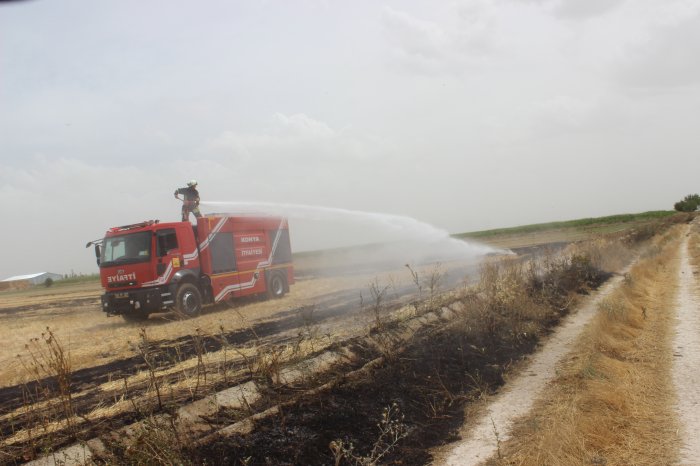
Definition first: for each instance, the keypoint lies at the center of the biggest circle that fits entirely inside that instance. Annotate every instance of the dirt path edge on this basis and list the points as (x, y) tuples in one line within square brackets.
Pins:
[(686, 352), (482, 438)]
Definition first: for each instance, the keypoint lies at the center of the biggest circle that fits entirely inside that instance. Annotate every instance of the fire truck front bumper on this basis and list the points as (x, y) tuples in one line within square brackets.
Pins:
[(132, 301)]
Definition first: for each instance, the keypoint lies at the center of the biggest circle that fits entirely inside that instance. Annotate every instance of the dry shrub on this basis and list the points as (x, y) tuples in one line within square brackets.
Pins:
[(501, 304), (430, 282), (392, 430), (376, 306), (515, 302), (557, 280), (611, 403), (653, 229), (608, 254), (48, 396)]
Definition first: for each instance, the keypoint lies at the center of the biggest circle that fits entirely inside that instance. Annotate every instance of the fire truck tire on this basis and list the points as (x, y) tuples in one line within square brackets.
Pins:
[(135, 316), (276, 285), (188, 300)]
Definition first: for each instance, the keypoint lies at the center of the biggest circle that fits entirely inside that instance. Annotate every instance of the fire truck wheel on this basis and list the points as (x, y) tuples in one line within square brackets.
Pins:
[(276, 285), (188, 300)]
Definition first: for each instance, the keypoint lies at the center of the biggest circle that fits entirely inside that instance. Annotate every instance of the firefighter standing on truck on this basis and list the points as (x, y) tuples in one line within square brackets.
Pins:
[(190, 203)]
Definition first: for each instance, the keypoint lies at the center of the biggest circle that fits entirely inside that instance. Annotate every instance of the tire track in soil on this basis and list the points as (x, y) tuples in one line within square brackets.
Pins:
[(686, 352)]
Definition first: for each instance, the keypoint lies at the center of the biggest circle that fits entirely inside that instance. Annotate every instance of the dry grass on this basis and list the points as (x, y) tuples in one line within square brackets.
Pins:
[(194, 377), (93, 339), (694, 247), (88, 342), (611, 403)]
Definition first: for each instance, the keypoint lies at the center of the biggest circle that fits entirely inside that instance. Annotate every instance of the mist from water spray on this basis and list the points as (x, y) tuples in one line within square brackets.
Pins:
[(404, 229)]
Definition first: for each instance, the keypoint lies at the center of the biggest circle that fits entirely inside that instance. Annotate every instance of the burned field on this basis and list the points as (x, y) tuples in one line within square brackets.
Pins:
[(366, 374), (411, 396)]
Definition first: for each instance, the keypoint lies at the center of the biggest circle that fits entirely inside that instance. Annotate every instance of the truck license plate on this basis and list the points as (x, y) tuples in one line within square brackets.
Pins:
[(121, 295)]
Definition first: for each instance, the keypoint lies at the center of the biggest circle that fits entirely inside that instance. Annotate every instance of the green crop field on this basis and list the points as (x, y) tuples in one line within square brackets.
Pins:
[(598, 222)]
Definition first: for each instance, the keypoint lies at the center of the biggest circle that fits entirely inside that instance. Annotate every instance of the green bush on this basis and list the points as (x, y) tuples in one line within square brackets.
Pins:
[(48, 282), (689, 203)]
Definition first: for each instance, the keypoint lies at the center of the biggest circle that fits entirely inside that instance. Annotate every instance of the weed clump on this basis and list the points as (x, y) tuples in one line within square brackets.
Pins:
[(392, 430), (515, 302), (48, 364)]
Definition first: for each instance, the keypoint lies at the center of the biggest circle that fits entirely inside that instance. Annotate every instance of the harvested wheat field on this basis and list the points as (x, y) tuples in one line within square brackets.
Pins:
[(368, 366)]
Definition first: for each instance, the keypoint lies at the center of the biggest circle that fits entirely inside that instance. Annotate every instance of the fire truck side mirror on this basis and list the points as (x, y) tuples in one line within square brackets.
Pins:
[(97, 253)]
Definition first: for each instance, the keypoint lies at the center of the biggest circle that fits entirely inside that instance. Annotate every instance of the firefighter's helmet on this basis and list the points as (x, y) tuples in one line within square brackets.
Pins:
[(192, 183)]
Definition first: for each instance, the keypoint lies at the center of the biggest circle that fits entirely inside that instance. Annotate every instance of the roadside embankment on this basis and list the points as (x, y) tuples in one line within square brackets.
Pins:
[(611, 401)]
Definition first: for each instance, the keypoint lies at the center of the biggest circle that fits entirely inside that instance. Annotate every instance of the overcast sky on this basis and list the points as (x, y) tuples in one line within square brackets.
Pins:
[(468, 115)]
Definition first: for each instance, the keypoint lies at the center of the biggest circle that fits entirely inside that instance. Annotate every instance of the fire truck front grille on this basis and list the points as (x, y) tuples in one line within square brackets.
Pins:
[(123, 284)]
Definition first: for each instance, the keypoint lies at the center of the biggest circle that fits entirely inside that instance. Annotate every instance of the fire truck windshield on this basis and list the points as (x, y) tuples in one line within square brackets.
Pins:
[(126, 249)]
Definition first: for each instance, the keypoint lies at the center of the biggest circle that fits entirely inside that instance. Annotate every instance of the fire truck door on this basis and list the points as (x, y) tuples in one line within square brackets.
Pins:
[(167, 251)]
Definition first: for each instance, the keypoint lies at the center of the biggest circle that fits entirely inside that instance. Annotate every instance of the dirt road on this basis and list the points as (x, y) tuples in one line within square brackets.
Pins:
[(686, 352)]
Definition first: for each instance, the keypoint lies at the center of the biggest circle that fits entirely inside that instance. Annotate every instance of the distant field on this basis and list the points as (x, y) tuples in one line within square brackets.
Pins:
[(602, 223), (59, 287), (565, 231)]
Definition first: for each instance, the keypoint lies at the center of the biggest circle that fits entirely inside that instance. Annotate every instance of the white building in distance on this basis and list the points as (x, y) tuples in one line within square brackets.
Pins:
[(34, 278)]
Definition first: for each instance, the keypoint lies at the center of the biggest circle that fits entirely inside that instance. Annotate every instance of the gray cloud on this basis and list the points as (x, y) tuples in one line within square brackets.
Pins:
[(563, 113), (584, 9), (467, 115), (576, 9), (293, 141), (668, 59), (424, 45)]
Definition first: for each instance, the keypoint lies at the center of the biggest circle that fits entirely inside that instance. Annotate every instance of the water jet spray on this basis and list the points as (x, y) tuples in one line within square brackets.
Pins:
[(403, 228)]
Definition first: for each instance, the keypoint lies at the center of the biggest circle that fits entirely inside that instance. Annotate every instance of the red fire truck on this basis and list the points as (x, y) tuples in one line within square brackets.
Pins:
[(151, 266)]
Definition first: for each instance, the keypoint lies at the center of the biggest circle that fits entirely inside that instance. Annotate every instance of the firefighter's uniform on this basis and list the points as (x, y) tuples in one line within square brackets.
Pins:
[(190, 203)]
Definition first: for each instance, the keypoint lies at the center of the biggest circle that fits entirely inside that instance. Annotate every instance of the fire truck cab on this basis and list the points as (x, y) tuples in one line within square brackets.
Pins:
[(152, 267)]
